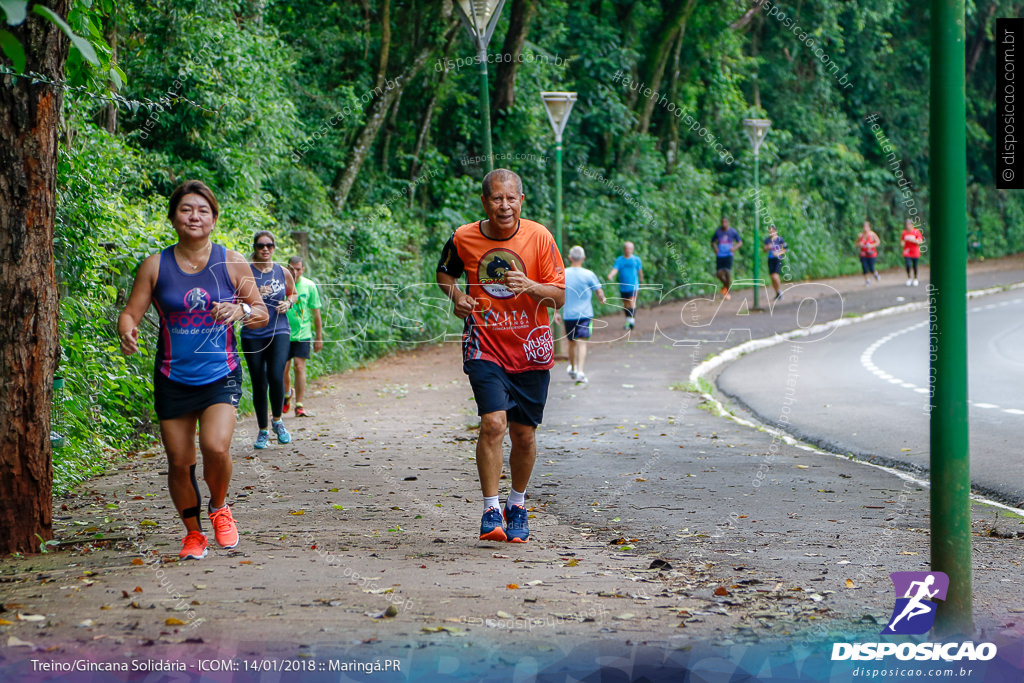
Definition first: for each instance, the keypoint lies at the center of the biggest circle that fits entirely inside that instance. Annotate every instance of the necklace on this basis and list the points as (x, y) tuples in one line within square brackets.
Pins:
[(190, 264)]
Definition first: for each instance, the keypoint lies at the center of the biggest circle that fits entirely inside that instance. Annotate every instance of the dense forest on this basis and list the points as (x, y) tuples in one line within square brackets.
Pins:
[(351, 129)]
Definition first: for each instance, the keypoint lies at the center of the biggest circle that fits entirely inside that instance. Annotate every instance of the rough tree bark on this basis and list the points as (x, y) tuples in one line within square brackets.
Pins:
[(519, 21), (28, 307)]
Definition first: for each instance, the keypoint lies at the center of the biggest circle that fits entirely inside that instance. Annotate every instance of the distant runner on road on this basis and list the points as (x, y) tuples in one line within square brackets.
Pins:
[(867, 243), (912, 240), (725, 242), (514, 273), (775, 246), (630, 271), (579, 311)]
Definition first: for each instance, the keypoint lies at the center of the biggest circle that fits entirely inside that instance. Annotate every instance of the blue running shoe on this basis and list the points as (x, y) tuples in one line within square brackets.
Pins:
[(261, 439), (518, 527), (282, 434), (491, 526)]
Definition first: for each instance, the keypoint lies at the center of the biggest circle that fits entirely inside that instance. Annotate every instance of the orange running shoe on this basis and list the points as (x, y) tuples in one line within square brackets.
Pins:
[(224, 527), (193, 547)]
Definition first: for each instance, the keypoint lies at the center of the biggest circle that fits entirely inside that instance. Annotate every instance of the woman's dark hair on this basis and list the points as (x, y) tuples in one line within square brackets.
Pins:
[(263, 233), (192, 187)]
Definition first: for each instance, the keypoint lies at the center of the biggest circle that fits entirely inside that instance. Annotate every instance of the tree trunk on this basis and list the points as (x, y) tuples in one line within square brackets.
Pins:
[(674, 23), (379, 108), (672, 153), (522, 14), (385, 43), (29, 115)]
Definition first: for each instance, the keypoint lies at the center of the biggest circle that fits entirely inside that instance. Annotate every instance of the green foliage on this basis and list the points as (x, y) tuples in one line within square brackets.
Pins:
[(265, 102)]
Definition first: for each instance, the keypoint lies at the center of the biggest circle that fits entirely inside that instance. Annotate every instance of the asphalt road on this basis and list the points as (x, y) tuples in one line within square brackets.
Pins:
[(864, 390)]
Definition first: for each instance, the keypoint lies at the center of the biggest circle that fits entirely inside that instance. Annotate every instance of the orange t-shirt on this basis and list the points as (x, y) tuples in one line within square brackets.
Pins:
[(512, 331)]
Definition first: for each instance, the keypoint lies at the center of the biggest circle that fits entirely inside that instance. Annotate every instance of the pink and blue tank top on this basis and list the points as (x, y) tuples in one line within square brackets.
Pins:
[(192, 347), (272, 287)]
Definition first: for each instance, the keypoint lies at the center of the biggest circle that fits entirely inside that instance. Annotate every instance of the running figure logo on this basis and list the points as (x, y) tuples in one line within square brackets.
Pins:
[(197, 298), (914, 612)]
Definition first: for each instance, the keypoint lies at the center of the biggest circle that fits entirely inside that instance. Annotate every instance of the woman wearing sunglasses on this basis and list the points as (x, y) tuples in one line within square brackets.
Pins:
[(266, 348)]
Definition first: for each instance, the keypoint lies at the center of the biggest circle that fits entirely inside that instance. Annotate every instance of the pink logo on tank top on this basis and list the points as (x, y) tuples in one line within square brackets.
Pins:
[(197, 298)]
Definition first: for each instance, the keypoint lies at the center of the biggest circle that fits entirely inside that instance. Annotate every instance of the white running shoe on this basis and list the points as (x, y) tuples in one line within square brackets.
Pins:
[(569, 371), (916, 283), (581, 378), (909, 282)]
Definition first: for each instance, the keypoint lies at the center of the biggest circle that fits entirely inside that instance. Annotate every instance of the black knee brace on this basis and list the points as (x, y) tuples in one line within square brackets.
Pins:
[(194, 511)]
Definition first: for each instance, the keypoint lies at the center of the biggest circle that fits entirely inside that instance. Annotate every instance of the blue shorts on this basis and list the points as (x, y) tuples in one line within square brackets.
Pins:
[(774, 266), (578, 329), (521, 395)]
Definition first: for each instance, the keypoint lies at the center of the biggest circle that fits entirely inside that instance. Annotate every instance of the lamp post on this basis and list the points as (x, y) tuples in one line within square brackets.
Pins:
[(757, 129), (558, 106), (950, 413), (480, 17)]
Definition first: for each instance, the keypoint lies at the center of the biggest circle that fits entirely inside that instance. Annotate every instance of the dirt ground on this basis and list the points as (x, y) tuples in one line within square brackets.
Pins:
[(360, 537)]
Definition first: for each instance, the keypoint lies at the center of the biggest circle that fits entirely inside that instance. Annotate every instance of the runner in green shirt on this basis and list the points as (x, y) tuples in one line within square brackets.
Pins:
[(303, 317)]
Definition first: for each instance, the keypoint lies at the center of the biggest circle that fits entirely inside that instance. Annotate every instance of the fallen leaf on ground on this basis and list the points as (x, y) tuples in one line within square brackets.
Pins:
[(512, 586), (171, 621), (721, 590), (137, 561), (31, 617)]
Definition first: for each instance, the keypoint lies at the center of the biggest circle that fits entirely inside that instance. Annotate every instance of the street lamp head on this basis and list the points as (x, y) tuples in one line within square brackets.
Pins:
[(480, 17), (558, 106), (757, 129)]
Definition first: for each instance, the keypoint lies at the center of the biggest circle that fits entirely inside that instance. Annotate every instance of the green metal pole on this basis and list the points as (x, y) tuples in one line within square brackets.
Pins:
[(485, 105), (558, 228), (559, 236), (757, 243), (950, 472)]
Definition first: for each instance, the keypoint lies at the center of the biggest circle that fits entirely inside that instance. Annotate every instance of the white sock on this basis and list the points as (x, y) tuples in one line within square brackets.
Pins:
[(491, 502), (516, 498)]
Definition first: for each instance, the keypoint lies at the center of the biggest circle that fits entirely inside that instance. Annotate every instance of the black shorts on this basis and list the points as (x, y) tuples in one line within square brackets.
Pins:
[(521, 395), (173, 399), (723, 263), (867, 264), (299, 349), (578, 329), (774, 266)]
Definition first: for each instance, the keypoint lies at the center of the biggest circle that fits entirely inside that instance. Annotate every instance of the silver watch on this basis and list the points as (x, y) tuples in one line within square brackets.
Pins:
[(246, 311)]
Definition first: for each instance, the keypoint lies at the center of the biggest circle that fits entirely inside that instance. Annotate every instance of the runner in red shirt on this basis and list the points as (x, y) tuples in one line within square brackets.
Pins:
[(867, 243), (912, 241), (514, 273)]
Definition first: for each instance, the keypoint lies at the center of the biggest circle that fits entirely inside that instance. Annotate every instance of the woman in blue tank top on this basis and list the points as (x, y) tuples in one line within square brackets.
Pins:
[(266, 348), (200, 290)]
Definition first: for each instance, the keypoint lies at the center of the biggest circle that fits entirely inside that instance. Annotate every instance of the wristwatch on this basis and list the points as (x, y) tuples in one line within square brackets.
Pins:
[(246, 311)]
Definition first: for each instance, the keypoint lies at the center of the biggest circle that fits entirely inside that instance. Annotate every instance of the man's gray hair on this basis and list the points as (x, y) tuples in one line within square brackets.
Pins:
[(577, 253), (501, 175)]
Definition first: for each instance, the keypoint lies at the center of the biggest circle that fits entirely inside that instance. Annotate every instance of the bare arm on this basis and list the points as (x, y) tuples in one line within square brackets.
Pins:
[(318, 325), (612, 273), (139, 300), (246, 290), (551, 296), (464, 303), (600, 295), (291, 296)]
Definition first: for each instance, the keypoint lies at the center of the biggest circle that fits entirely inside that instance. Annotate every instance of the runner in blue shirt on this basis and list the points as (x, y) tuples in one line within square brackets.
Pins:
[(725, 242), (578, 311), (630, 272), (775, 246)]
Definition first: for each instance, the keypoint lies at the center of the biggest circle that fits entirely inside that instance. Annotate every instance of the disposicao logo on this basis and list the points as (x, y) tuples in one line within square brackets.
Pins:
[(914, 614)]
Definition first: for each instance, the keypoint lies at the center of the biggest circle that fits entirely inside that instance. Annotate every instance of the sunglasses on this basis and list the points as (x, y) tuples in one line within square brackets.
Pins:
[(265, 245)]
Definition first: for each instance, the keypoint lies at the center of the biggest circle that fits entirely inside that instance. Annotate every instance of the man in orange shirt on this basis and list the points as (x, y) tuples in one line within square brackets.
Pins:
[(514, 273)]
